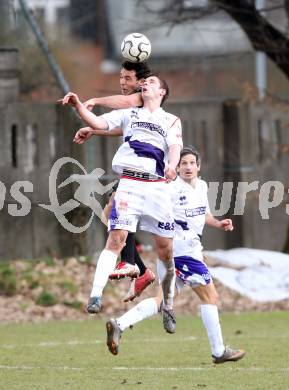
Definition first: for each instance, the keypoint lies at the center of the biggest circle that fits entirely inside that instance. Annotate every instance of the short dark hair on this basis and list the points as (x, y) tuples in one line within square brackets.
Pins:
[(142, 70), (163, 85), (191, 150)]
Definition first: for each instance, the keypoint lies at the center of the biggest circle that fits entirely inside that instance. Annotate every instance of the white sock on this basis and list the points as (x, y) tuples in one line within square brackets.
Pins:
[(144, 309), (104, 268), (210, 317), (168, 279)]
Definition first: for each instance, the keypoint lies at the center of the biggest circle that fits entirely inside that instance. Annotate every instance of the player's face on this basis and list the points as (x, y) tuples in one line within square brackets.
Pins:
[(188, 168), (128, 81), (151, 87)]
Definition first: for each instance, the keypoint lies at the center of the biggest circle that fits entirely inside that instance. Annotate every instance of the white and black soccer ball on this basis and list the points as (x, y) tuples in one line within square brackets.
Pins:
[(136, 47)]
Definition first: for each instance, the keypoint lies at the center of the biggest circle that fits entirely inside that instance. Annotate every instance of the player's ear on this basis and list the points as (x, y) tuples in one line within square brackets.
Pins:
[(163, 92)]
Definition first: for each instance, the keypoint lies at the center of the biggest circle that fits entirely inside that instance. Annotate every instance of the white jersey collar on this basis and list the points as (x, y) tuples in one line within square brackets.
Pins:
[(188, 185), (159, 109)]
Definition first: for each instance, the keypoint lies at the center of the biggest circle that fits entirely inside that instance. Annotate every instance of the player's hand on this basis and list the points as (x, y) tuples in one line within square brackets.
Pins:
[(89, 104), (227, 225), (82, 135), (170, 174), (71, 99)]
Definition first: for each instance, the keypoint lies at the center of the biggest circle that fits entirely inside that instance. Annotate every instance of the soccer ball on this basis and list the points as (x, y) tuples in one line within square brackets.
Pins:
[(136, 47)]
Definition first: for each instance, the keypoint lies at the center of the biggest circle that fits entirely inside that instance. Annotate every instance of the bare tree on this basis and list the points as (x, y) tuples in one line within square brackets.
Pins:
[(262, 34)]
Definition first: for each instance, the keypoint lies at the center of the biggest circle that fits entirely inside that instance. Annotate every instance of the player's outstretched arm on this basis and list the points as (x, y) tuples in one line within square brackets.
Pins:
[(117, 132), (115, 102), (85, 133), (96, 122), (224, 224), (82, 135)]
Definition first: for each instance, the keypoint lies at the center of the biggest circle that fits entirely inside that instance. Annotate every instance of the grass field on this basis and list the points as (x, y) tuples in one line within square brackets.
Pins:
[(73, 355)]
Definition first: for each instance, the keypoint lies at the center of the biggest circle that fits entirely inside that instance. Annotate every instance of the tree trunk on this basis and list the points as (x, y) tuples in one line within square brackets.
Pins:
[(262, 35)]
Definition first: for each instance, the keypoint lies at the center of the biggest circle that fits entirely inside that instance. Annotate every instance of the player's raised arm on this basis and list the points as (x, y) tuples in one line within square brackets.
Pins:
[(117, 132), (85, 133), (115, 101), (96, 122)]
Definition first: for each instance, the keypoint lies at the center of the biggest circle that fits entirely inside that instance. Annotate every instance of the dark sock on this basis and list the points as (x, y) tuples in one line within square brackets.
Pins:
[(139, 262), (128, 252)]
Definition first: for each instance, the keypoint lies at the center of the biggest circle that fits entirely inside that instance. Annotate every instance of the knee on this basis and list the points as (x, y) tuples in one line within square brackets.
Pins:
[(165, 252), (212, 298), (115, 242), (208, 294)]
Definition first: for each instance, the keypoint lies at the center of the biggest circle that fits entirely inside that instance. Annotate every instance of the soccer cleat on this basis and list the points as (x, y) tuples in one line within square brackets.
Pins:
[(123, 270), (113, 336), (169, 320), (229, 355), (139, 284), (94, 305)]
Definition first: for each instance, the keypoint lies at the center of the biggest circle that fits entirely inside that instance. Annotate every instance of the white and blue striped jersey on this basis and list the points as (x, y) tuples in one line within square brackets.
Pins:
[(147, 137), (190, 209)]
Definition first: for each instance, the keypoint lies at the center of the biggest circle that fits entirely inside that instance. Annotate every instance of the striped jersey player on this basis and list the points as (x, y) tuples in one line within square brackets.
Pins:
[(146, 161)]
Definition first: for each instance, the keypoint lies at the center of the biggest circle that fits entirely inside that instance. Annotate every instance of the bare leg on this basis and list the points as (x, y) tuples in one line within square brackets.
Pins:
[(165, 254)]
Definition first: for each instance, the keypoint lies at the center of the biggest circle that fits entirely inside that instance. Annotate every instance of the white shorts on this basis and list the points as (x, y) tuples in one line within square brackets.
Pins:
[(145, 202)]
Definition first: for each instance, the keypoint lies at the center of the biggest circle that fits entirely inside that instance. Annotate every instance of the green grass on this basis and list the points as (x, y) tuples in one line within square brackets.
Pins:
[(73, 355)]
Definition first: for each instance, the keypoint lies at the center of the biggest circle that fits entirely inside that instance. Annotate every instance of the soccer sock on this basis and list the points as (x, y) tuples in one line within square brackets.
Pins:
[(104, 268), (128, 252), (210, 317), (144, 309), (168, 283), (139, 262)]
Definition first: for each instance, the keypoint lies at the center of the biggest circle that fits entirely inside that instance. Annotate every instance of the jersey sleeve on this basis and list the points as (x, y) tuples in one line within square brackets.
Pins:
[(205, 185), (114, 119), (174, 132)]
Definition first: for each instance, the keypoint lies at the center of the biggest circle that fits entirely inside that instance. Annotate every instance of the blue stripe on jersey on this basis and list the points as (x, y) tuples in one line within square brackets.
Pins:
[(143, 149), (182, 224), (187, 266)]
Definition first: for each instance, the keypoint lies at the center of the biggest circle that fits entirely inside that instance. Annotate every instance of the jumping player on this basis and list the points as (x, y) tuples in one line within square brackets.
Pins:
[(146, 161), (132, 76)]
